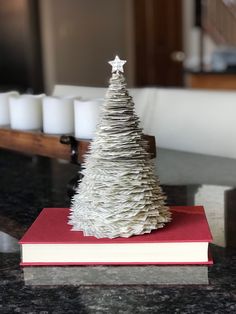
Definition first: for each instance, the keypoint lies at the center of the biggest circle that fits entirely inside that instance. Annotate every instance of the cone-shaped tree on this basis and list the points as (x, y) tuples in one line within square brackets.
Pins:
[(119, 195)]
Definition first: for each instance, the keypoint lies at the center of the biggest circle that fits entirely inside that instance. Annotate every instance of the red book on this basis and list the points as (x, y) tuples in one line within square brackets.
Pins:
[(50, 241)]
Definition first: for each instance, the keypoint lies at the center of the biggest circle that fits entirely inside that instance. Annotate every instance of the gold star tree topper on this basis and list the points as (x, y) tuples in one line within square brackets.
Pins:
[(117, 65)]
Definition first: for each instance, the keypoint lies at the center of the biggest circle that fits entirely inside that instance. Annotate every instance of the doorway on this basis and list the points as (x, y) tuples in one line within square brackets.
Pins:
[(20, 48), (158, 43)]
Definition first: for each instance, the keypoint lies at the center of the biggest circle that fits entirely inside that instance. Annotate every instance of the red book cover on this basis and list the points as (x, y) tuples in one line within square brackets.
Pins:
[(189, 224)]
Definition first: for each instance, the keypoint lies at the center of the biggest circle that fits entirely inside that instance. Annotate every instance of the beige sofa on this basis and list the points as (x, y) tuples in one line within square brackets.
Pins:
[(193, 121)]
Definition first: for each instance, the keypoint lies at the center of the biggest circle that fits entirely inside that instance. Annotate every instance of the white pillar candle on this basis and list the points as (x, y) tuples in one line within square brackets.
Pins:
[(4, 107), (26, 112), (86, 117), (58, 115)]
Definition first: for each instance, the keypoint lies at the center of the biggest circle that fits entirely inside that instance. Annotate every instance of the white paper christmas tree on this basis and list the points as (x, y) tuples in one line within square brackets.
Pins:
[(119, 195)]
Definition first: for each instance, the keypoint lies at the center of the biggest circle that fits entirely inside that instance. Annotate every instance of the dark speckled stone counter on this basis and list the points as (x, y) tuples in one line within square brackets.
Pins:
[(27, 184)]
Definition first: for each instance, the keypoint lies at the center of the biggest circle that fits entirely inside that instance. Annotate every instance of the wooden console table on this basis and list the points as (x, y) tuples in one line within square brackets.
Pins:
[(53, 146), (211, 80)]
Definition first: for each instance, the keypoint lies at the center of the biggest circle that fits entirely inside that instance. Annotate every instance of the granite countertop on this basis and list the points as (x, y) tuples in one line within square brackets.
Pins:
[(29, 183)]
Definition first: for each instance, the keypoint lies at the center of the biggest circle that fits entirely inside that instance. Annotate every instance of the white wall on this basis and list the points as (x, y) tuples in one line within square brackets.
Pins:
[(80, 36)]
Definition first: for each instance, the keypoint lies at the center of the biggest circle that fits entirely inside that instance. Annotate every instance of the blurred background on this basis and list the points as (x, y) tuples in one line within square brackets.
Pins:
[(186, 47), (167, 43)]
